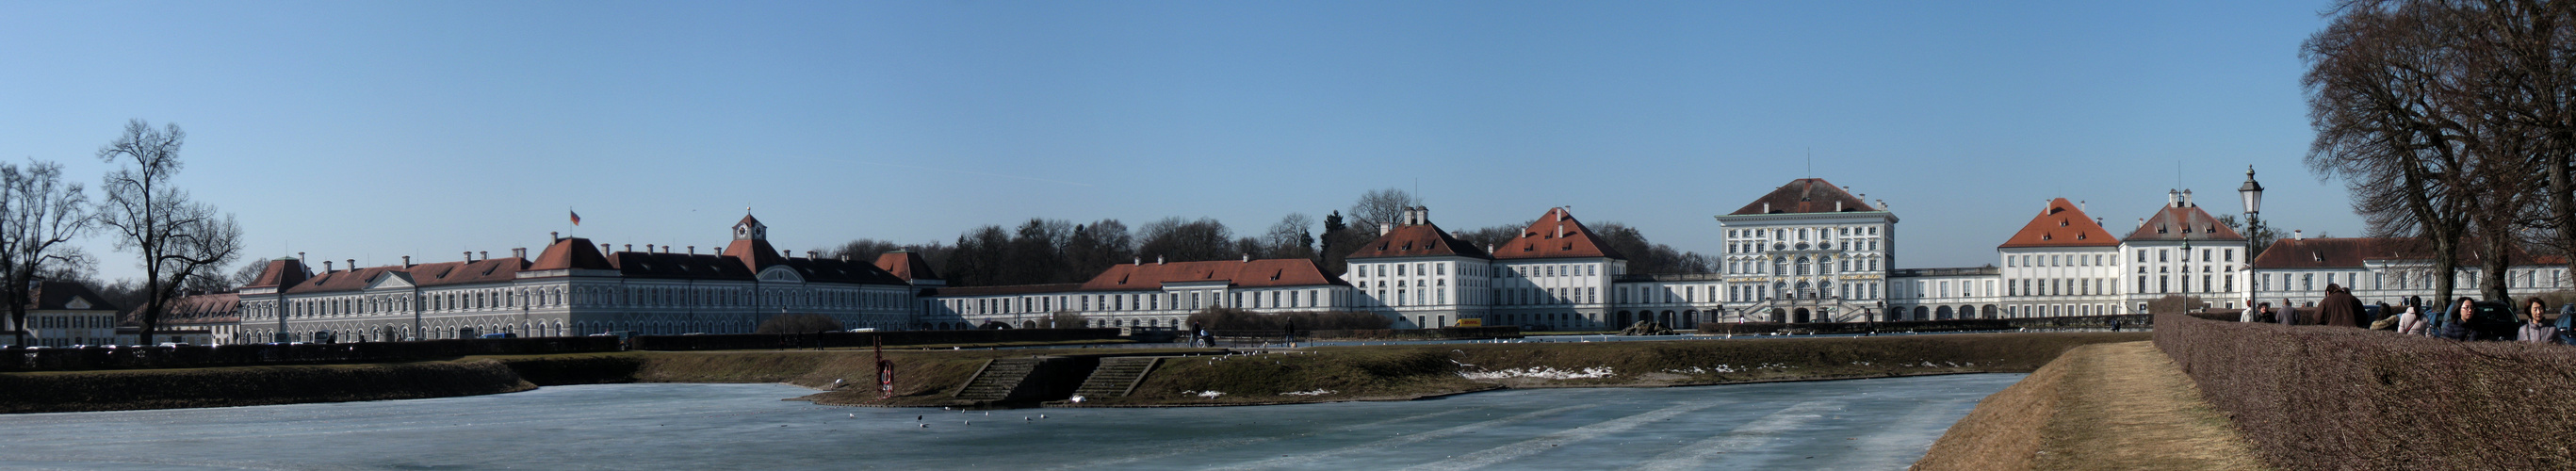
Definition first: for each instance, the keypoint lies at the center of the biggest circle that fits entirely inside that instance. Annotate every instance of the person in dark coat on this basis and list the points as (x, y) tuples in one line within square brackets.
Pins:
[(2289, 314), (2455, 323), (2339, 308)]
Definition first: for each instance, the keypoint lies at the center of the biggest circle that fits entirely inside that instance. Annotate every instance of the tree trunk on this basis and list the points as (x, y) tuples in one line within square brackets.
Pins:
[(2562, 205)]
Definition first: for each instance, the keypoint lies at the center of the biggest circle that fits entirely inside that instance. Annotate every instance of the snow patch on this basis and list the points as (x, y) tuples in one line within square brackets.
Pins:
[(1318, 392), (1541, 372)]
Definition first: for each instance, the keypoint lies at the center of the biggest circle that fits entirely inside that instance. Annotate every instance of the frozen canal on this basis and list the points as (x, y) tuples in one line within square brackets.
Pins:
[(1859, 424)]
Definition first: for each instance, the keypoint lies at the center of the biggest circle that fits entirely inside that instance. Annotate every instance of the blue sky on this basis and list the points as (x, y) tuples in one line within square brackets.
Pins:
[(373, 130)]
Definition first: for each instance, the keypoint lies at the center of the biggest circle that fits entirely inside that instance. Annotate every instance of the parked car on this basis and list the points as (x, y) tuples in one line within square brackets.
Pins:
[(175, 344), (501, 335), (2492, 321)]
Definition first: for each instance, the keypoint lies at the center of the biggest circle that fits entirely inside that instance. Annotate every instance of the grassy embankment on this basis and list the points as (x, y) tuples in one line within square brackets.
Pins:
[(1399, 372), (2111, 406)]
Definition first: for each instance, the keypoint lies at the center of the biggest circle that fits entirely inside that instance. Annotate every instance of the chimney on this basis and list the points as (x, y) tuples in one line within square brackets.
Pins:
[(1158, 259), (1489, 248), (1882, 205), (353, 264), (2081, 206), (693, 250), (1766, 207), (326, 266), (784, 253), (406, 261), (813, 254), (299, 255), (1426, 214), (484, 255), (1838, 206), (2295, 234), (552, 236), (2097, 220), (1382, 229), (719, 251), (630, 247), (2173, 199), (845, 258), (469, 256), (1140, 261), (1560, 214), (603, 248), (2186, 199), (521, 252), (1247, 258)]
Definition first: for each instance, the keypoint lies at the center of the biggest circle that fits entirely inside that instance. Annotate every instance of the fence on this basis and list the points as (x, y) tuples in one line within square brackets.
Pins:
[(2135, 321), (2319, 397), (862, 339), (1444, 333), (107, 358)]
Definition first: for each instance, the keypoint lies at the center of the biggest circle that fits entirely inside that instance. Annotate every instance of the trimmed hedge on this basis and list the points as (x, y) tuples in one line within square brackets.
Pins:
[(2139, 321), (105, 358), (2319, 397), (863, 339)]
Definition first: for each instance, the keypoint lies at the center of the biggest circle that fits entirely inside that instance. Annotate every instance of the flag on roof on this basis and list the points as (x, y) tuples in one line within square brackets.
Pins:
[(576, 217)]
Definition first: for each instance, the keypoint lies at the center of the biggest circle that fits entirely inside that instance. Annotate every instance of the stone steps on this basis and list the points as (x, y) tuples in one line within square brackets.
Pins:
[(997, 380), (1116, 377)]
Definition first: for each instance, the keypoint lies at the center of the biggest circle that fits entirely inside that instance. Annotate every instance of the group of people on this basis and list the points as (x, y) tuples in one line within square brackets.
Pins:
[(2340, 308)]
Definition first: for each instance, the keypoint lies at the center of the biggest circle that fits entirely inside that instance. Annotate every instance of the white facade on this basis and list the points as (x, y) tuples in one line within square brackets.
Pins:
[(1821, 267)]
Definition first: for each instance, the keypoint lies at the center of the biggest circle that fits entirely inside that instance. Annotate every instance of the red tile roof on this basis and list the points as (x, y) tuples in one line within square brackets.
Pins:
[(2061, 225), (57, 295), (218, 308), (490, 270), (572, 253), (678, 266), (906, 265), (1417, 240), (1241, 274), (1556, 235), (286, 271), (1805, 195), (753, 254), (2180, 222)]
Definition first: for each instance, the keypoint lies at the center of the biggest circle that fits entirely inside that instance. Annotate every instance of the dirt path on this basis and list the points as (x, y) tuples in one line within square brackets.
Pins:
[(2109, 406)]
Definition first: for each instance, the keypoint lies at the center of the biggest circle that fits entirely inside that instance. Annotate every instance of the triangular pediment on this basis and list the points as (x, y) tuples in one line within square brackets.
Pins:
[(77, 303), (391, 280), (781, 273)]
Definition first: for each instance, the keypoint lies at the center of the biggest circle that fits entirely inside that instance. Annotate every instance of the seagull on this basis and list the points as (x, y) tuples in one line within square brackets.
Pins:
[(925, 425), (854, 416)]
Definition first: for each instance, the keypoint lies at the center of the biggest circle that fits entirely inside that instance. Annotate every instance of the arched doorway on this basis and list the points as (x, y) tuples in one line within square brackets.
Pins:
[(1942, 314), (1801, 316), (1690, 318), (1779, 315), (1990, 311), (1625, 320)]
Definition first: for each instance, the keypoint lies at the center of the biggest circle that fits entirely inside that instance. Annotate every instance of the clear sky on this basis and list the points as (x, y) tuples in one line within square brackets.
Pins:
[(373, 130)]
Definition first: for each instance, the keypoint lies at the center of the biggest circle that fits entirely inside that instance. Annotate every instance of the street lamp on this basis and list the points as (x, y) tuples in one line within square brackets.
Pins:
[(2252, 192)]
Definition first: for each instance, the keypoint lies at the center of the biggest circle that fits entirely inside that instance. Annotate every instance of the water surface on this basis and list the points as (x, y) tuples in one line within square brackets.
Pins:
[(1857, 424)]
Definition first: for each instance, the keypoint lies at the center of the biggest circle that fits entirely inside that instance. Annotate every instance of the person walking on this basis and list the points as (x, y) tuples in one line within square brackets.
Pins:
[(2339, 308), (2534, 328), (2250, 311)]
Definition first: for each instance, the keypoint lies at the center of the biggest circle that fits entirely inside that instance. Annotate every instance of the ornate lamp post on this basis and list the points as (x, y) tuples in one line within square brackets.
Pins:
[(2252, 192)]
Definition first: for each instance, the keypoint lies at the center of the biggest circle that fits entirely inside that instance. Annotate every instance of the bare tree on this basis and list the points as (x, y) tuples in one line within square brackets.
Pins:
[(2375, 86), (248, 273), (1183, 240), (1291, 237), (39, 214), (176, 238), (1380, 207)]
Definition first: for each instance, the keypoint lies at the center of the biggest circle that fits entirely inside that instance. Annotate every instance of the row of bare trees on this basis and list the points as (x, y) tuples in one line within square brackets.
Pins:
[(2452, 123), (1041, 251), (178, 241)]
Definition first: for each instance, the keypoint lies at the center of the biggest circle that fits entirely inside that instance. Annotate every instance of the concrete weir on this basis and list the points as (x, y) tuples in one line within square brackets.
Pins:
[(1051, 378)]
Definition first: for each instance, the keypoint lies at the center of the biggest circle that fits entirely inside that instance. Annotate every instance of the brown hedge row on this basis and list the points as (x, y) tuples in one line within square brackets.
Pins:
[(2136, 321), (2318, 397)]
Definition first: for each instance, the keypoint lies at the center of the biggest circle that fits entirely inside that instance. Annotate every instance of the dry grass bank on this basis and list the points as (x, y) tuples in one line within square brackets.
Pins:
[(2109, 406), (82, 391)]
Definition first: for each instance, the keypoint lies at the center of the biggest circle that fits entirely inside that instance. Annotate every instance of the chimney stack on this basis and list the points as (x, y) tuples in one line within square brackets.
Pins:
[(2173, 198), (469, 256), (552, 236), (1158, 259), (693, 250), (353, 264), (406, 261), (813, 254), (2295, 234), (326, 266), (630, 247), (1247, 258), (2186, 199), (604, 248), (845, 258), (648, 248), (1140, 261), (2081, 206), (484, 255), (299, 256), (1766, 207), (784, 253), (521, 252)]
